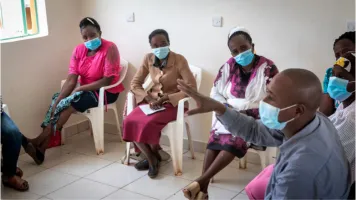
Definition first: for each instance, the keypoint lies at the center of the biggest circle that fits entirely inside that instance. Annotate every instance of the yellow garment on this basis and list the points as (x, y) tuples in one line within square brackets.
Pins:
[(341, 61)]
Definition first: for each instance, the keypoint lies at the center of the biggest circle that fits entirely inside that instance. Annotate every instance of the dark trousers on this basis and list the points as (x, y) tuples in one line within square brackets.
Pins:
[(352, 192), (11, 140)]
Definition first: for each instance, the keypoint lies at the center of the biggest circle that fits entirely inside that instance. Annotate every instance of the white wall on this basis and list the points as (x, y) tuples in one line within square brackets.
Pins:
[(32, 69), (294, 34)]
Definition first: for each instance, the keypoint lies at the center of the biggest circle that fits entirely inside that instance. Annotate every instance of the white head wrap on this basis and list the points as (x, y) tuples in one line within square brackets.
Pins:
[(238, 28)]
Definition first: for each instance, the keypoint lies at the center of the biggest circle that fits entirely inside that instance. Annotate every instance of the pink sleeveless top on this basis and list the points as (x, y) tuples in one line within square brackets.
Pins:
[(105, 63)]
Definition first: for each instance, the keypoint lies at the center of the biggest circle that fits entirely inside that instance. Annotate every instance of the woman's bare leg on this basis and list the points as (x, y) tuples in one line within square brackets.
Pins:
[(41, 142), (155, 150), (64, 116), (222, 159)]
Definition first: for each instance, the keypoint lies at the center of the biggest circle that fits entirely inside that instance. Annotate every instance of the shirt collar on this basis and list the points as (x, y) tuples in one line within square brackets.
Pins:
[(167, 62), (307, 130)]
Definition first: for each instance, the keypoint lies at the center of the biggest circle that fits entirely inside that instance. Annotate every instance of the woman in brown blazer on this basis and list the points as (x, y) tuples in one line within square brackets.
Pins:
[(164, 67)]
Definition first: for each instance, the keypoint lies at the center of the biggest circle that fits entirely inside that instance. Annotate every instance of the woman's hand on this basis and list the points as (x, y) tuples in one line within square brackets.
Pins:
[(328, 74), (53, 109), (204, 104), (351, 86), (77, 89), (149, 99), (350, 56), (158, 104)]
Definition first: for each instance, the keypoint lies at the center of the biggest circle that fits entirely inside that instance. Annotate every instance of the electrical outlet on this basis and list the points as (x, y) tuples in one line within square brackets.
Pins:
[(351, 26), (217, 21), (130, 17)]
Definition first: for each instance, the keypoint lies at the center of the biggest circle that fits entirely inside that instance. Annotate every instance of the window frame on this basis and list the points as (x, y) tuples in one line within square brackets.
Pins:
[(24, 21)]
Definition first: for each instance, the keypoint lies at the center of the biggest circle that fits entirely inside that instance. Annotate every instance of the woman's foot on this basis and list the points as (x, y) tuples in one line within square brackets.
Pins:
[(19, 172), (192, 190), (15, 182), (35, 154), (153, 170), (142, 165), (202, 196)]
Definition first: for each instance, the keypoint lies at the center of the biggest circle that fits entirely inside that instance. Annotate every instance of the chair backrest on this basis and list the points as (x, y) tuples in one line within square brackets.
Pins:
[(124, 66), (197, 73)]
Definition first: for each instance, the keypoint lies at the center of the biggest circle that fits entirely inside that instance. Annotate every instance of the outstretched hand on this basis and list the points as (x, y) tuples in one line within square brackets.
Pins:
[(204, 104)]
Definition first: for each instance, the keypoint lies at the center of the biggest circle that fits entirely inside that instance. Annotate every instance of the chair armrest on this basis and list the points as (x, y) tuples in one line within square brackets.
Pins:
[(180, 113), (62, 83), (131, 103)]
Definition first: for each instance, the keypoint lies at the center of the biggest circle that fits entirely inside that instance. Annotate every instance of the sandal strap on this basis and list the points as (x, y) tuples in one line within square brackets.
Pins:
[(18, 184)]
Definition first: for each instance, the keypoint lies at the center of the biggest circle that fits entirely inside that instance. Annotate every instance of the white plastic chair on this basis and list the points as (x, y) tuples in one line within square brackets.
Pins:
[(5, 108), (267, 157), (96, 115), (174, 130)]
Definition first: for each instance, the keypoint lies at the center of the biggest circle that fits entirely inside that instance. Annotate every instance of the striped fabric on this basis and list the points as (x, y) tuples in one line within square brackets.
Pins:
[(344, 122)]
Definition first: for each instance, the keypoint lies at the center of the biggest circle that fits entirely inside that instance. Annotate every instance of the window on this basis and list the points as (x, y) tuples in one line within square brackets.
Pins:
[(22, 19)]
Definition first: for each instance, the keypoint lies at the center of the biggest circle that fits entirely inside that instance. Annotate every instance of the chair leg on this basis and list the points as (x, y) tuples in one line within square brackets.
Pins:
[(127, 157), (90, 128), (118, 124), (191, 147), (176, 143), (263, 157), (97, 122), (243, 162)]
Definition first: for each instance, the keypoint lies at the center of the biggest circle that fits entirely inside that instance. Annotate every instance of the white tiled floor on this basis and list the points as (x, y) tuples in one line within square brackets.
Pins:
[(74, 171)]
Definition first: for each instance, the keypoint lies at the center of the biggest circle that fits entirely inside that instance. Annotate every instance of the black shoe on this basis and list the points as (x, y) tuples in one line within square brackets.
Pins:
[(153, 170), (142, 165)]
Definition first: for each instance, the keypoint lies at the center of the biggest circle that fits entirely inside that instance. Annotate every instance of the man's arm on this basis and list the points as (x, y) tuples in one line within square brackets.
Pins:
[(249, 129)]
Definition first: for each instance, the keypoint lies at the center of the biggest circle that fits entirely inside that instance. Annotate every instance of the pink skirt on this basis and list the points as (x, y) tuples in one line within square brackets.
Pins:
[(139, 127), (256, 189)]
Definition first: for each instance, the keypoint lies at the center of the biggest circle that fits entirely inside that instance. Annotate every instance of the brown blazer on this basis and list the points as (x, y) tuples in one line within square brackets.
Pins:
[(165, 81)]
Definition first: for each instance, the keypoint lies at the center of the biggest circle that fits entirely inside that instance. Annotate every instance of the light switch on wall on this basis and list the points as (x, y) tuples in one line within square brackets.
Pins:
[(130, 17), (351, 26), (217, 21)]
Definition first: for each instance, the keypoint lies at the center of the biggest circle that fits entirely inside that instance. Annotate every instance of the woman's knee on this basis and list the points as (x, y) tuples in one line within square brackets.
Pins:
[(130, 119)]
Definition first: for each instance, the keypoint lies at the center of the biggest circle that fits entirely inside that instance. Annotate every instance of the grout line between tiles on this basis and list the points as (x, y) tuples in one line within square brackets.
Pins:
[(63, 187), (140, 194), (111, 193), (86, 174)]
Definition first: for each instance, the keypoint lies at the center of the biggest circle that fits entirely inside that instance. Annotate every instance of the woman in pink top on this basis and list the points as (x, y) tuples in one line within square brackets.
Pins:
[(97, 62)]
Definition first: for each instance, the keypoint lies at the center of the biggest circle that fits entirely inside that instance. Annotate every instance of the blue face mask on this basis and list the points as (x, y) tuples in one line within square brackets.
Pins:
[(269, 116), (337, 88), (93, 44), (244, 58), (161, 52)]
